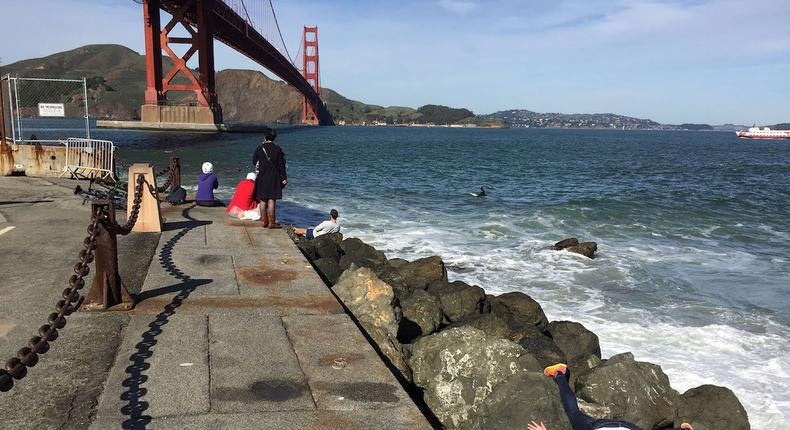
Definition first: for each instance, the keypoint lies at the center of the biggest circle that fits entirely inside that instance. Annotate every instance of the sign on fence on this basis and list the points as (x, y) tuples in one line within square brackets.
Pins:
[(51, 109)]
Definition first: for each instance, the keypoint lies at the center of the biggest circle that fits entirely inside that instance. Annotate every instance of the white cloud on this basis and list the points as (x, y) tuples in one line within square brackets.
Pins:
[(459, 7)]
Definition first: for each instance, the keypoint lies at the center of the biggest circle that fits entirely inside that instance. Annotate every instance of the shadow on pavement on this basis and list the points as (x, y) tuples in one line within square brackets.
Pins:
[(135, 406)]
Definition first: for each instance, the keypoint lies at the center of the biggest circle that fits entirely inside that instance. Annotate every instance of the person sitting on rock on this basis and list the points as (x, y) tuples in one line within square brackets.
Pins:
[(207, 183), (326, 227), (243, 205), (579, 420)]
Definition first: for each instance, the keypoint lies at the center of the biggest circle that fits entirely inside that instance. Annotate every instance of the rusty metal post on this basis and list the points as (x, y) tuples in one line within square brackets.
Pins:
[(107, 291), (175, 164)]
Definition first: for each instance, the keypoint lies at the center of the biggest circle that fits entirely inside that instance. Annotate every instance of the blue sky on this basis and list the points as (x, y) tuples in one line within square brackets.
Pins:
[(711, 61)]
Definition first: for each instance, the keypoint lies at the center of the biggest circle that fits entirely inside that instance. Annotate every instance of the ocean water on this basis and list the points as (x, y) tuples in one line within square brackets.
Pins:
[(693, 229)]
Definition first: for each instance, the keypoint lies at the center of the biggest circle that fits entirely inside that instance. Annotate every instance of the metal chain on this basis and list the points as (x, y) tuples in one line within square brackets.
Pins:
[(135, 210), (170, 173), (16, 367)]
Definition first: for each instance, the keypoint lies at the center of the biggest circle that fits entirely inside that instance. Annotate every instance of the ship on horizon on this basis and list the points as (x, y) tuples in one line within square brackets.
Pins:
[(763, 133)]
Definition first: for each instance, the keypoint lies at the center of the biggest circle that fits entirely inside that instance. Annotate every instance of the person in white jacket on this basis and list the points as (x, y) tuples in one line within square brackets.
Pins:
[(326, 227)]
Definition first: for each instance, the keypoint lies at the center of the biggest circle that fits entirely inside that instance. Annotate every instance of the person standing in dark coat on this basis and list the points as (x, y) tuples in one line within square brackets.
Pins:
[(269, 161)]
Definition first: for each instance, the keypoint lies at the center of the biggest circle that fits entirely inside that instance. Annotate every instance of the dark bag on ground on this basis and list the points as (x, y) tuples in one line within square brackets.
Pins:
[(178, 196)]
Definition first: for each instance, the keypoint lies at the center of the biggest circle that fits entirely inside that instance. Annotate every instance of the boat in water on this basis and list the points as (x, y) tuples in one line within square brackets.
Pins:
[(763, 133)]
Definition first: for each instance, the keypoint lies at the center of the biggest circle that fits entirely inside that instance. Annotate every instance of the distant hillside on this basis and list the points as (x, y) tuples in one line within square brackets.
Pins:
[(782, 126), (116, 86), (526, 118)]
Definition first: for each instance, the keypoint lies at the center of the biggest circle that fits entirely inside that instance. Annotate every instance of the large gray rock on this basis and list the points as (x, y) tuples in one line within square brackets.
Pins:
[(373, 304), (574, 339), (326, 246), (710, 407), (388, 273), (360, 253), (566, 243), (635, 391), (329, 269), (458, 368), (519, 308), (422, 315), (420, 273), (521, 399), (459, 299), (541, 346), (586, 249), (491, 325), (308, 249)]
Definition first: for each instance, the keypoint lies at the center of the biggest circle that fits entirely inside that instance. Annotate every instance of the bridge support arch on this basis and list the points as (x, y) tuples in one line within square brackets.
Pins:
[(196, 16)]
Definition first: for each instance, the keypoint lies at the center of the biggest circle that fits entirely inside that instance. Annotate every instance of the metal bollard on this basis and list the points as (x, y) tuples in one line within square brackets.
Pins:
[(175, 164), (107, 290)]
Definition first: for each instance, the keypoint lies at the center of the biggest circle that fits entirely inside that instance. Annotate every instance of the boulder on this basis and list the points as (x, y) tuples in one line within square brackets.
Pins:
[(521, 399), (326, 247), (586, 249), (574, 339), (335, 237), (398, 262), (541, 346), (459, 367), (519, 308), (490, 324), (581, 364), (422, 315), (391, 275), (710, 407), (373, 304), (329, 269), (459, 299), (308, 249), (634, 391), (420, 273), (565, 243), (360, 253)]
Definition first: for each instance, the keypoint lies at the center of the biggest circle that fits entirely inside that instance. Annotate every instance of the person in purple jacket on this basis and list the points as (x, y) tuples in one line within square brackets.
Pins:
[(207, 183)]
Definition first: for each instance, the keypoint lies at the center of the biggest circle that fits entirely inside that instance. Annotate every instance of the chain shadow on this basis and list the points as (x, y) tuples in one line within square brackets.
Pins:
[(135, 406)]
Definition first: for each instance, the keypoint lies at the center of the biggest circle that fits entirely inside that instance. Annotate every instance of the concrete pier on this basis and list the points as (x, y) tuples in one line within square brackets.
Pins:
[(233, 329)]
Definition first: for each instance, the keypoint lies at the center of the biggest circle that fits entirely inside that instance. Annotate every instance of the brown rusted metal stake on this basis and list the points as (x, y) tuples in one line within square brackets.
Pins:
[(175, 164), (107, 291)]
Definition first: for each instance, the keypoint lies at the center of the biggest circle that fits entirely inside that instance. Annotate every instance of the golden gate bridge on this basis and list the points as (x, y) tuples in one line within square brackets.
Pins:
[(248, 26)]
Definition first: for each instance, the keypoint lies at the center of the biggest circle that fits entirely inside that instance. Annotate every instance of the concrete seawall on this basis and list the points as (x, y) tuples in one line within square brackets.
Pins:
[(32, 160)]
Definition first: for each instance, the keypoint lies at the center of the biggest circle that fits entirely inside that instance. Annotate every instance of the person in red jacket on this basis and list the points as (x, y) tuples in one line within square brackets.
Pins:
[(242, 198)]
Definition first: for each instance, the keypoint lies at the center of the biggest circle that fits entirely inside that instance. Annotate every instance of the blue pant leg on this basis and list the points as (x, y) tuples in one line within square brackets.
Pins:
[(579, 421)]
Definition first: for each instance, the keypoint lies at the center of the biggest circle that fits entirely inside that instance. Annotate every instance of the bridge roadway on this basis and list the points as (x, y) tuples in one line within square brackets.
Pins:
[(234, 328)]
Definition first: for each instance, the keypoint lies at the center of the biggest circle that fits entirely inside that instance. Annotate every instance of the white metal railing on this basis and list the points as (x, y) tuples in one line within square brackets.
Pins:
[(89, 157)]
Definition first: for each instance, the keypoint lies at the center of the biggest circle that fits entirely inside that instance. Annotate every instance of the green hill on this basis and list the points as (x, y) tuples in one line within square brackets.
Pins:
[(116, 86)]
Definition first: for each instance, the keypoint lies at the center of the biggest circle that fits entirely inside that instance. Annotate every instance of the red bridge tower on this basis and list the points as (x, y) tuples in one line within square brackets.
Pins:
[(196, 16), (310, 70)]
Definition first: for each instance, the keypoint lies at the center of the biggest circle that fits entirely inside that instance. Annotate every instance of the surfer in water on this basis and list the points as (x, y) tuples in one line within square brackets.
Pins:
[(482, 193)]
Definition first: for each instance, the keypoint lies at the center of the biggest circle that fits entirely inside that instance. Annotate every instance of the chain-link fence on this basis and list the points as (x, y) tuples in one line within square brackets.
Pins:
[(45, 110)]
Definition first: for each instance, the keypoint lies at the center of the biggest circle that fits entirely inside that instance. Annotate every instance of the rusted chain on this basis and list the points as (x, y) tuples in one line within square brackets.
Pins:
[(170, 174), (135, 210), (16, 367)]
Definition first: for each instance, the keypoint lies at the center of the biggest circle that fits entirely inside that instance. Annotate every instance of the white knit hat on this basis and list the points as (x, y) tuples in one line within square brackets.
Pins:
[(251, 176), (208, 167)]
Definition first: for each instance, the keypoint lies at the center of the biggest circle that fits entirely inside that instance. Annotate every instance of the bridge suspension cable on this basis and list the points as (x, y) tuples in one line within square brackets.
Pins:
[(261, 16)]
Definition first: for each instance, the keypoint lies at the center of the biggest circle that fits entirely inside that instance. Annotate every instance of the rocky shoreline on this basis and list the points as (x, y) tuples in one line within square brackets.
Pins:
[(476, 360)]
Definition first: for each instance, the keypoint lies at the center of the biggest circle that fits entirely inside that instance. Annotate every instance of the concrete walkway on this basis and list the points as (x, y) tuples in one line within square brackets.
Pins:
[(234, 330)]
